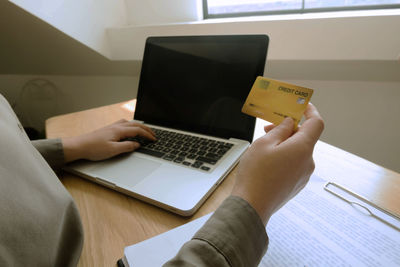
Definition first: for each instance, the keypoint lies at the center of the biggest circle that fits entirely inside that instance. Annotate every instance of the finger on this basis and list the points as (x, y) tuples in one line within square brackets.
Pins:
[(311, 111), (135, 131), (125, 146), (313, 125), (120, 121), (136, 124), (281, 132), (268, 128)]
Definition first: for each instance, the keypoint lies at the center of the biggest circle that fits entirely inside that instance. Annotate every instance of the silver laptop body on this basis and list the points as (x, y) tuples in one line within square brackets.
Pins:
[(191, 91)]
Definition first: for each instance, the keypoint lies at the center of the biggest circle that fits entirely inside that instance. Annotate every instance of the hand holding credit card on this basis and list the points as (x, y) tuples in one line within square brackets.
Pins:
[(273, 100)]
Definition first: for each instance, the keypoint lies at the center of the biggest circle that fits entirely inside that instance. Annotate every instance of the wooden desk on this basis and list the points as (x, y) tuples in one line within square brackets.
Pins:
[(112, 220)]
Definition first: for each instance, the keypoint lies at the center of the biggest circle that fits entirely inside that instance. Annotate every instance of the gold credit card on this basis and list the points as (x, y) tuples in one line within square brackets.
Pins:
[(273, 100)]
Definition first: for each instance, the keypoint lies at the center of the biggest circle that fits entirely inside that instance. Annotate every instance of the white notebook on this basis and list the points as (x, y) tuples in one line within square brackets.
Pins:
[(314, 229)]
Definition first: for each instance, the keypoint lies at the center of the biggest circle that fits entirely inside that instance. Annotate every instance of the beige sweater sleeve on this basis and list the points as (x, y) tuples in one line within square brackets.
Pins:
[(233, 236), (52, 151)]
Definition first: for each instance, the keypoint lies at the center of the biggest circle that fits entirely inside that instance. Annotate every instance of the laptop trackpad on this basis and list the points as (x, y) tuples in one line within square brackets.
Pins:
[(128, 170)]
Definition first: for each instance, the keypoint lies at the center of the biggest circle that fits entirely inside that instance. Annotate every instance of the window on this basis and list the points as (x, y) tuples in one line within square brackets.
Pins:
[(233, 8)]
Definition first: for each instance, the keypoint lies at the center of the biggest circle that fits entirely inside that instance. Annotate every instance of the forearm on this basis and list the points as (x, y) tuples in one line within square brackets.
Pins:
[(233, 236)]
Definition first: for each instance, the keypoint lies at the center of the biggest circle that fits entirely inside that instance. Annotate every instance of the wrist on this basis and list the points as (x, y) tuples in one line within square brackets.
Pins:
[(73, 149), (259, 205)]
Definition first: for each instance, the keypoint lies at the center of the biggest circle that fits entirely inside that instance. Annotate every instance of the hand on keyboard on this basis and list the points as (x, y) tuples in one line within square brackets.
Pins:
[(106, 142)]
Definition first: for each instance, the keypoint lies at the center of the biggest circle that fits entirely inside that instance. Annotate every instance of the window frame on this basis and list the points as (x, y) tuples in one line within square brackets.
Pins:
[(303, 10)]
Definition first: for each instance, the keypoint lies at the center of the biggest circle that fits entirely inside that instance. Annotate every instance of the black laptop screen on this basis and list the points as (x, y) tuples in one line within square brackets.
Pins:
[(200, 83)]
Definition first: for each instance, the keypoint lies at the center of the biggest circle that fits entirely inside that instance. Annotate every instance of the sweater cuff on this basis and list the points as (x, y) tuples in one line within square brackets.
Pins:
[(237, 232), (52, 151)]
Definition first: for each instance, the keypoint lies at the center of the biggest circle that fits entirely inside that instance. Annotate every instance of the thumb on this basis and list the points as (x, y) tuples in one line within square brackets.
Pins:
[(281, 132)]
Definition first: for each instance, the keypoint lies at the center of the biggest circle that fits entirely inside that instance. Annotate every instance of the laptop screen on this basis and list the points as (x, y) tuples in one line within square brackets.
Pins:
[(200, 83)]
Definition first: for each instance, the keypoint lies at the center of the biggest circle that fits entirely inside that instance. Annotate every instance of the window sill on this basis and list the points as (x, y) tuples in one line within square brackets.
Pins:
[(317, 15)]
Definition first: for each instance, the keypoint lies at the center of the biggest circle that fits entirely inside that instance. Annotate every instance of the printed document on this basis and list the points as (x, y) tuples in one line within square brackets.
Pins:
[(315, 228)]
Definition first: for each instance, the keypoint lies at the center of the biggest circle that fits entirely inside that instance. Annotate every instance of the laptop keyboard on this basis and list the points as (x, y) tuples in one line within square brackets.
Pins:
[(196, 152)]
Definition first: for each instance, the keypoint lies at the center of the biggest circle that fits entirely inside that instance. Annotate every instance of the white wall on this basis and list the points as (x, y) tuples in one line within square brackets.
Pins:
[(152, 12), (84, 20), (69, 94), (361, 117)]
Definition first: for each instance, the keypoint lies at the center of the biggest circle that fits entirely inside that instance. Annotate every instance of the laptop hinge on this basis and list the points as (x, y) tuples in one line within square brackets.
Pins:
[(237, 140)]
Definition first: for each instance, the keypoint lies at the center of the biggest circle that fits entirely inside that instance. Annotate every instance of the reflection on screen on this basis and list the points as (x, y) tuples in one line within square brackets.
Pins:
[(199, 84)]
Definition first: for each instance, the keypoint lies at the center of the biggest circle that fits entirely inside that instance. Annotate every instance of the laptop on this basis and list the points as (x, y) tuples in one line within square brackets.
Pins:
[(191, 91)]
